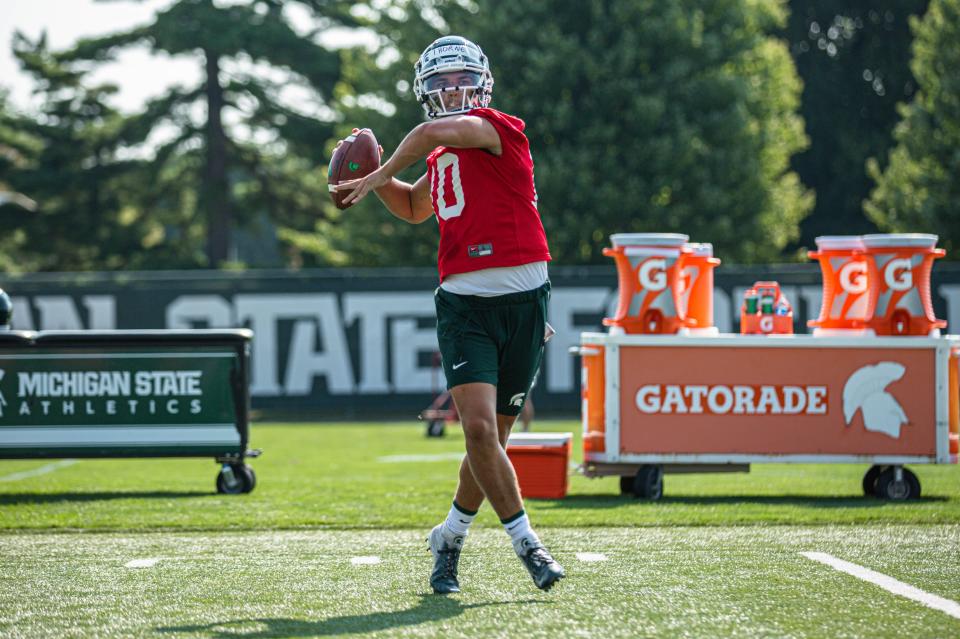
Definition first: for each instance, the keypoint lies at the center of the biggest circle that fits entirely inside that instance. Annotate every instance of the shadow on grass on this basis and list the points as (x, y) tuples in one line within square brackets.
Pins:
[(811, 501), (51, 498), (431, 608)]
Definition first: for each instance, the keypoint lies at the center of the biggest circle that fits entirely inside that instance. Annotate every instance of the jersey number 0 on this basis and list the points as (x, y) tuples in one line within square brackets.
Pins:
[(448, 162)]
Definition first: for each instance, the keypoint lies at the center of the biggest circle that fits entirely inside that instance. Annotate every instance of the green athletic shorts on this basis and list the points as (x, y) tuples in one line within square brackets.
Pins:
[(496, 340)]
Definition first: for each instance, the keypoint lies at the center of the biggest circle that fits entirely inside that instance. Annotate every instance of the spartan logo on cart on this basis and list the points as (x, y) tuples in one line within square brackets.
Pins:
[(125, 393), (866, 391), (721, 399)]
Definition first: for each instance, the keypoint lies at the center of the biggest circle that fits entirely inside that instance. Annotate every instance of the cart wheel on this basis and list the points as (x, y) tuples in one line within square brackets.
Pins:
[(626, 485), (870, 480), (648, 484), (889, 488), (436, 428), (252, 479), (235, 479)]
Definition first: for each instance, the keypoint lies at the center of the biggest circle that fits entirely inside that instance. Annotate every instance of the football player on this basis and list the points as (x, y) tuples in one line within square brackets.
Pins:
[(492, 299)]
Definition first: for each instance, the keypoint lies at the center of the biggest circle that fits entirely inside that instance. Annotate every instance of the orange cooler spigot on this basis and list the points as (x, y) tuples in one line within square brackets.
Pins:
[(898, 272), (846, 293), (648, 272)]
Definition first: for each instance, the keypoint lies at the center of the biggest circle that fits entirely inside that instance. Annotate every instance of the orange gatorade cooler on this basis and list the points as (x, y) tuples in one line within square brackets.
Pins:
[(845, 301), (696, 287), (648, 271), (541, 461), (898, 274)]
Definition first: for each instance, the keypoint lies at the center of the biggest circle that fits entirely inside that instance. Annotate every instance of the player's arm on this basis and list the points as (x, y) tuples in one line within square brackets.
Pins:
[(409, 202), (459, 132)]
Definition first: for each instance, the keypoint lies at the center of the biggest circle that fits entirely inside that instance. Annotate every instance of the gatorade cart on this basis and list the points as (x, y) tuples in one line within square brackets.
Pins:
[(657, 399)]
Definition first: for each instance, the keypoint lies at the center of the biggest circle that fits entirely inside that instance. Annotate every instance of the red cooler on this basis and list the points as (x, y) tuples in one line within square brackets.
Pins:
[(541, 461)]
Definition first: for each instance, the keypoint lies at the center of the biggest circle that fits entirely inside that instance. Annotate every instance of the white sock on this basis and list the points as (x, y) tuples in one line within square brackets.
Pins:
[(521, 534), (457, 522)]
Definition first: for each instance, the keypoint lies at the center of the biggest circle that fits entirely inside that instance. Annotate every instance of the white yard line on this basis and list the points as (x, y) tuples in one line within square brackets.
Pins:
[(43, 470), (365, 561), (396, 459), (889, 584), (141, 563), (591, 556)]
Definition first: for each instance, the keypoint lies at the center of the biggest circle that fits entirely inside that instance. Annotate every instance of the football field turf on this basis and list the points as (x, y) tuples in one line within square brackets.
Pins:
[(331, 543)]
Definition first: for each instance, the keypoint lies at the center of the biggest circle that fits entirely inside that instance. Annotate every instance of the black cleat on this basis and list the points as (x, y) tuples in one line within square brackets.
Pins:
[(446, 556), (542, 567)]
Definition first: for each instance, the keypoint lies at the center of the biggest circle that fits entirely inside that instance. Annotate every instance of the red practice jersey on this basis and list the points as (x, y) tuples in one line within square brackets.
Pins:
[(486, 204)]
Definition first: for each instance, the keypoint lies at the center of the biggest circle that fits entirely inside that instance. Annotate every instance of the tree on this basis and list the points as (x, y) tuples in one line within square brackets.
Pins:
[(67, 211), (249, 155), (13, 204), (642, 116), (853, 60), (918, 190)]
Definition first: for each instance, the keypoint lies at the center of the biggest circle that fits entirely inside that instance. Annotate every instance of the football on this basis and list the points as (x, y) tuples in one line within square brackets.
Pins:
[(357, 156)]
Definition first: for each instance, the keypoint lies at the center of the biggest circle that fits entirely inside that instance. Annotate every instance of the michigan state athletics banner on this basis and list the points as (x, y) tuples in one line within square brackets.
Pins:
[(110, 393)]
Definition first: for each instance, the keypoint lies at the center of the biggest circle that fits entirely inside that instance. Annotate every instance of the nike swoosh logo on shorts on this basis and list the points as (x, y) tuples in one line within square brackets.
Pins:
[(456, 366)]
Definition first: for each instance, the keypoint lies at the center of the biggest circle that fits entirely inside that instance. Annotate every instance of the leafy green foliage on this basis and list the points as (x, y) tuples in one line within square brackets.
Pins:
[(918, 189), (853, 59), (65, 159), (15, 145), (228, 163), (642, 116)]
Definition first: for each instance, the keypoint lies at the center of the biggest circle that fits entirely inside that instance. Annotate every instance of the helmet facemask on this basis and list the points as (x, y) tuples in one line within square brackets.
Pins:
[(454, 92)]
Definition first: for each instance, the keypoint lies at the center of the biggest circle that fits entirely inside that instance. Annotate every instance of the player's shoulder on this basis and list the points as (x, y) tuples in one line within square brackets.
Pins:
[(437, 152), (499, 118)]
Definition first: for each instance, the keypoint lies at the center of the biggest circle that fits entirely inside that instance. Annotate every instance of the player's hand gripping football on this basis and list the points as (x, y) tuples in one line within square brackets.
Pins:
[(364, 185)]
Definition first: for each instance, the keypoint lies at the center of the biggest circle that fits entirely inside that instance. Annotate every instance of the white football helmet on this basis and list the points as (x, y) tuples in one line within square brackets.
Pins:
[(452, 64)]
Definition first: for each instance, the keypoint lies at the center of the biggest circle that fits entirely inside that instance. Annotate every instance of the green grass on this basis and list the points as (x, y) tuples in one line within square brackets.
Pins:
[(718, 556), (330, 476), (676, 581)]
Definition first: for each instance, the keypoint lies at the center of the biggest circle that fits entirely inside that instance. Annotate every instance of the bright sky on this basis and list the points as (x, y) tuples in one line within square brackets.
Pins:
[(139, 74)]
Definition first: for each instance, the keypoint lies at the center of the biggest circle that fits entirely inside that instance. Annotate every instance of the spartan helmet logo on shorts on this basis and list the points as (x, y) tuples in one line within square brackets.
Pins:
[(452, 76), (865, 391), (517, 400)]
